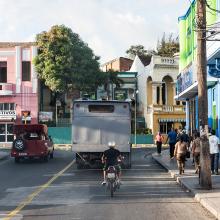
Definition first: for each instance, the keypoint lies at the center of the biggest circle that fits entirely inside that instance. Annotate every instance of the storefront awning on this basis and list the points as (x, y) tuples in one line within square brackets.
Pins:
[(172, 120)]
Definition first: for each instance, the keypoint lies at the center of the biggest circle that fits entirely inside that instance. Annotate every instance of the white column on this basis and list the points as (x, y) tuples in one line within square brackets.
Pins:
[(161, 101), (174, 93), (18, 68), (154, 94), (33, 71)]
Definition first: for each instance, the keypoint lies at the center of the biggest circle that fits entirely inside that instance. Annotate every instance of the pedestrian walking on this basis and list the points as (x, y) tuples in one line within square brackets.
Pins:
[(214, 152), (196, 150), (159, 140), (180, 154), (172, 137), (186, 138)]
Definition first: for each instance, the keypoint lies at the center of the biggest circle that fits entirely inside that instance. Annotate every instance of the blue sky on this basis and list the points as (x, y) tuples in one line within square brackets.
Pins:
[(108, 26)]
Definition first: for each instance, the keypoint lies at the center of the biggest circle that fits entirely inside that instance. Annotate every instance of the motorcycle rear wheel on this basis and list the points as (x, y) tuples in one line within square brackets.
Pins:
[(111, 188)]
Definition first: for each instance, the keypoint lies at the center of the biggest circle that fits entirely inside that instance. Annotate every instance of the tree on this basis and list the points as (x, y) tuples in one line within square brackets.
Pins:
[(138, 50), (65, 61), (167, 47), (205, 174), (110, 78)]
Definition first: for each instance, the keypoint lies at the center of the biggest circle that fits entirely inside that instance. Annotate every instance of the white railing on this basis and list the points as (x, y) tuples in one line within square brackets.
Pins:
[(6, 89), (165, 108)]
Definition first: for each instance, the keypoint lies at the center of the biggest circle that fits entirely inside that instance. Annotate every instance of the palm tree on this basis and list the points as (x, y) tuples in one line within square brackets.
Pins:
[(111, 78)]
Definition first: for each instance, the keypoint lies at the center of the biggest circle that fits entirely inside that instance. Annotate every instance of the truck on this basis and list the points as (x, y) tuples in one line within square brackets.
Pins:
[(95, 124)]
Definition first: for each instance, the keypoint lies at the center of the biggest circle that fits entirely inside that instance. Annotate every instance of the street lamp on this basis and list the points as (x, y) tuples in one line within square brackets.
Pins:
[(135, 117), (58, 103)]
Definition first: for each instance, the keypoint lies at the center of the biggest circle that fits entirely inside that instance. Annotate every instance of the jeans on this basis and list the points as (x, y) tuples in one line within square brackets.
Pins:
[(172, 147), (159, 145), (214, 162)]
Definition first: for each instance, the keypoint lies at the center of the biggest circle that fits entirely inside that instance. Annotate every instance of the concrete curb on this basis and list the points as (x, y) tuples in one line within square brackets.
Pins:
[(63, 146), (199, 198)]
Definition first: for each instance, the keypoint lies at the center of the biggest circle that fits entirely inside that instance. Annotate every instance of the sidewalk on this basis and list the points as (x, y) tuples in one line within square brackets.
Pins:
[(210, 199)]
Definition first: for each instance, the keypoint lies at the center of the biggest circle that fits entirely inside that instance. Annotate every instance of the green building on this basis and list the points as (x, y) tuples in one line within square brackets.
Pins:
[(187, 84)]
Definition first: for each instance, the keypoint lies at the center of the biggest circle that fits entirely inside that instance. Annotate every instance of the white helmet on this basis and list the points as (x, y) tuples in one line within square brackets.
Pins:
[(111, 144)]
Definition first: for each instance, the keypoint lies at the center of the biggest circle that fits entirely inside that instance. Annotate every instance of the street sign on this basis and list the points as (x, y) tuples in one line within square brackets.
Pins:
[(58, 103)]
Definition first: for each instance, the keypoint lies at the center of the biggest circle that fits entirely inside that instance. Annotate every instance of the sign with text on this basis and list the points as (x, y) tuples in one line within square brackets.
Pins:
[(7, 114), (185, 80), (45, 116)]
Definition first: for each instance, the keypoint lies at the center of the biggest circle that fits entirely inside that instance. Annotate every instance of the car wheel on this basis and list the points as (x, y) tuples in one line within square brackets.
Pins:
[(18, 144), (17, 159), (46, 158), (51, 155)]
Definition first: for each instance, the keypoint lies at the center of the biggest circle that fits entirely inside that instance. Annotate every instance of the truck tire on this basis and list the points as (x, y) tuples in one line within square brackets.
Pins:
[(51, 155), (111, 188), (127, 160), (79, 162)]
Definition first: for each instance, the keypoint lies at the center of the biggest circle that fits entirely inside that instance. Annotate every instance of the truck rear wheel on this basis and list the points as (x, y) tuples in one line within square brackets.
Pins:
[(127, 160)]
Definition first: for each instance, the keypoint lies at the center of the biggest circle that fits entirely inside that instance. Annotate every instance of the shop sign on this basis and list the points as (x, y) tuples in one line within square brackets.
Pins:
[(185, 80), (7, 114), (45, 116)]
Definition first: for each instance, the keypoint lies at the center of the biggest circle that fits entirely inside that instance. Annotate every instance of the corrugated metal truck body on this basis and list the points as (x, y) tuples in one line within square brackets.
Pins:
[(95, 123)]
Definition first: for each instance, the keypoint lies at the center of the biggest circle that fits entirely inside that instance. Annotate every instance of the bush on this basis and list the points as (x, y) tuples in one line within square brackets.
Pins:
[(48, 123), (144, 131)]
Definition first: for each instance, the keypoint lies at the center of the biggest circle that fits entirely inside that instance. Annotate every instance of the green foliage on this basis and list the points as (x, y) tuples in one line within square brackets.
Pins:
[(110, 78), (144, 131), (136, 50), (139, 50), (64, 61), (167, 47)]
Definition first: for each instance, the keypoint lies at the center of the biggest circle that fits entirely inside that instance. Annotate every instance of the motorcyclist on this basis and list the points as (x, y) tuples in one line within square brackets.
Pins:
[(110, 158)]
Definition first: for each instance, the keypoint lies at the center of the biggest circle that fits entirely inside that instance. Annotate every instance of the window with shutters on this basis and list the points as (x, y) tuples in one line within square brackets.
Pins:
[(26, 71), (3, 72)]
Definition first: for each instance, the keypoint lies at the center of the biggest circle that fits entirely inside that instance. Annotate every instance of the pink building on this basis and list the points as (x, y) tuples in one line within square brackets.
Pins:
[(18, 87)]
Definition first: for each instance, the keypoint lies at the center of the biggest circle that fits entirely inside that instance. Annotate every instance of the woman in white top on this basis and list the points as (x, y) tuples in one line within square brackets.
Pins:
[(214, 152)]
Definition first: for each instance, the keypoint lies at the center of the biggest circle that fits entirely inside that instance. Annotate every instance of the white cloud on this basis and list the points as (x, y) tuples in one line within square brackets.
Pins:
[(110, 27), (130, 18)]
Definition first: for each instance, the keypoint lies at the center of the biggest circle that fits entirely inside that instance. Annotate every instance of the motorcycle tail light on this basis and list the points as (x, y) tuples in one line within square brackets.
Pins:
[(111, 169)]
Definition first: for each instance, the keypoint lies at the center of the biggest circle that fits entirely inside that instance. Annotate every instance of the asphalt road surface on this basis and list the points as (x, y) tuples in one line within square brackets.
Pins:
[(35, 190)]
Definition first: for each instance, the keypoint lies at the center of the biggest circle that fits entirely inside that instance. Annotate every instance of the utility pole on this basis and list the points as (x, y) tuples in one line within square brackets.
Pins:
[(205, 171)]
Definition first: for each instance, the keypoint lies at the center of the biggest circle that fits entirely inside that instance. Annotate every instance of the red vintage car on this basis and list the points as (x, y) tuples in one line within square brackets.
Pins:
[(32, 141)]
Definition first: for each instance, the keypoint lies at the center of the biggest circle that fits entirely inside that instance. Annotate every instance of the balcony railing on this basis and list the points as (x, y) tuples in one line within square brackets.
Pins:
[(6, 89), (166, 108)]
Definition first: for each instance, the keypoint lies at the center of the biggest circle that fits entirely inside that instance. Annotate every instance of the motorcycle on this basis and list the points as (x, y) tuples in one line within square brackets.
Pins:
[(112, 180)]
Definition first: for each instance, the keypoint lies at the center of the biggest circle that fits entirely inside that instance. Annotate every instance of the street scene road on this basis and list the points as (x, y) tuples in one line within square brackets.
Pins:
[(148, 191)]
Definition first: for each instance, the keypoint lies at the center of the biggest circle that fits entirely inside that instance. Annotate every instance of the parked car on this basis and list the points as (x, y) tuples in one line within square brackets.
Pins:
[(32, 141)]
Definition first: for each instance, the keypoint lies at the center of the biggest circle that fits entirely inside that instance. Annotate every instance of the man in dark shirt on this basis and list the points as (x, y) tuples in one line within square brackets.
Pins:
[(172, 141), (110, 158)]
